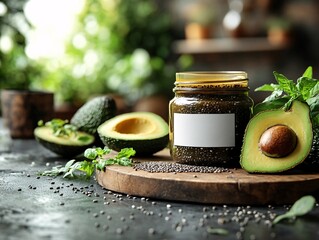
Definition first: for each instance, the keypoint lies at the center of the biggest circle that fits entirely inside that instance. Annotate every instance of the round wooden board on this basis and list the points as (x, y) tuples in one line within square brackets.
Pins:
[(236, 187)]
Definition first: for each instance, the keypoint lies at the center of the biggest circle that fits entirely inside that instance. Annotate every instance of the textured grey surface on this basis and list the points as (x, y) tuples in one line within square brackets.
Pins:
[(33, 207)]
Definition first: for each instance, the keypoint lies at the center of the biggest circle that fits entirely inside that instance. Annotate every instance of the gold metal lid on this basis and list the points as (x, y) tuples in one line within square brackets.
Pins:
[(217, 79)]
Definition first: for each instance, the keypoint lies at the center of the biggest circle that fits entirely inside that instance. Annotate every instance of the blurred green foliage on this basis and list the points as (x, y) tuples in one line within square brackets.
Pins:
[(119, 47), (17, 71)]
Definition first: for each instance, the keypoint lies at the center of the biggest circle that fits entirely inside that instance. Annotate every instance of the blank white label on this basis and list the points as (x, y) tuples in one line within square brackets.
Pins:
[(204, 130)]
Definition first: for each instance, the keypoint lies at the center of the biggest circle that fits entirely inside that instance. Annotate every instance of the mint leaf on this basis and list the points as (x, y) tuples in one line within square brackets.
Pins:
[(123, 158), (286, 85), (305, 87), (274, 95), (299, 208), (69, 172), (267, 87), (60, 127), (87, 167), (126, 152), (58, 170), (125, 161), (315, 90), (274, 88), (84, 138), (286, 91), (97, 160), (217, 231), (275, 104), (308, 72), (90, 153)]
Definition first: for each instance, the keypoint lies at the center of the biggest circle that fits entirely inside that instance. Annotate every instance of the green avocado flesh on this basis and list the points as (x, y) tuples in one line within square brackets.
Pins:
[(66, 146), (297, 119), (145, 132), (93, 113)]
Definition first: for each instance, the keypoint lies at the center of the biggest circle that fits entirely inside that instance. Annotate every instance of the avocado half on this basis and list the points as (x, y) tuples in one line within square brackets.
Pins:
[(145, 132), (66, 146), (297, 118)]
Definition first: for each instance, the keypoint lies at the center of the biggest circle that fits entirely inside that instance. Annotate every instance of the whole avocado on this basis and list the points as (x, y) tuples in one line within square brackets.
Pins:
[(93, 113)]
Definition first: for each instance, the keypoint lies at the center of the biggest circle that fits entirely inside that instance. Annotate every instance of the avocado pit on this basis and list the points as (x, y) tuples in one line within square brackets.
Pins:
[(278, 141)]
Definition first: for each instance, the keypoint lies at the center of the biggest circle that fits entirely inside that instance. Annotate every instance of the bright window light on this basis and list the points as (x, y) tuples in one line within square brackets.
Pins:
[(53, 21)]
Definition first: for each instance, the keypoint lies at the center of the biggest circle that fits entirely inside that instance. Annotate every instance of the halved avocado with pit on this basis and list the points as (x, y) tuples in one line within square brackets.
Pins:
[(145, 132), (277, 140), (66, 146)]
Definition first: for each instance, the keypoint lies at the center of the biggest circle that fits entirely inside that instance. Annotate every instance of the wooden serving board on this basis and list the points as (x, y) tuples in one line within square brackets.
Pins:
[(236, 187)]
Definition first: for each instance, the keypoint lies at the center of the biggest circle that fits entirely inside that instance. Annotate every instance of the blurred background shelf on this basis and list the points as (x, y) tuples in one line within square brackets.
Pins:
[(227, 45)]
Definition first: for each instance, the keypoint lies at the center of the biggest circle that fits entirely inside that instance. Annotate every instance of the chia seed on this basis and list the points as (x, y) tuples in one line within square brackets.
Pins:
[(151, 231), (173, 167), (119, 231)]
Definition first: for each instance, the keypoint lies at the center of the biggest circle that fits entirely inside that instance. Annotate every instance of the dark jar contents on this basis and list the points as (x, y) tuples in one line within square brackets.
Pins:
[(208, 117)]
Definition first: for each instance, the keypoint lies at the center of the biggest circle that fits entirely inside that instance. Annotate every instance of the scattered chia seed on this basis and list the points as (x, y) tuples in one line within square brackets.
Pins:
[(173, 167), (151, 231), (67, 221), (119, 231), (105, 227)]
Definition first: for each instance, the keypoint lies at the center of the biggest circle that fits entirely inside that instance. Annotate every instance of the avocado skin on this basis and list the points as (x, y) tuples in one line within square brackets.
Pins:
[(63, 150), (312, 161), (145, 147), (93, 113)]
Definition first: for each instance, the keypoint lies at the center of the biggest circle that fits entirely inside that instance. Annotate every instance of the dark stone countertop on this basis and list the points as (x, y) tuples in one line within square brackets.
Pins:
[(38, 207)]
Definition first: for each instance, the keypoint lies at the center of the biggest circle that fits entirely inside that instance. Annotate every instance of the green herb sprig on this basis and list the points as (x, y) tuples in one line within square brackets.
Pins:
[(306, 90), (301, 207), (96, 159), (60, 127)]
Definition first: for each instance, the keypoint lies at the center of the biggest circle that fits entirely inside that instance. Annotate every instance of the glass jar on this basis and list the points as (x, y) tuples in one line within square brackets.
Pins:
[(208, 117)]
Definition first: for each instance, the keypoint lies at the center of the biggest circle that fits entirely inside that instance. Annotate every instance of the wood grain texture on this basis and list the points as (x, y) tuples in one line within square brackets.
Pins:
[(237, 187)]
